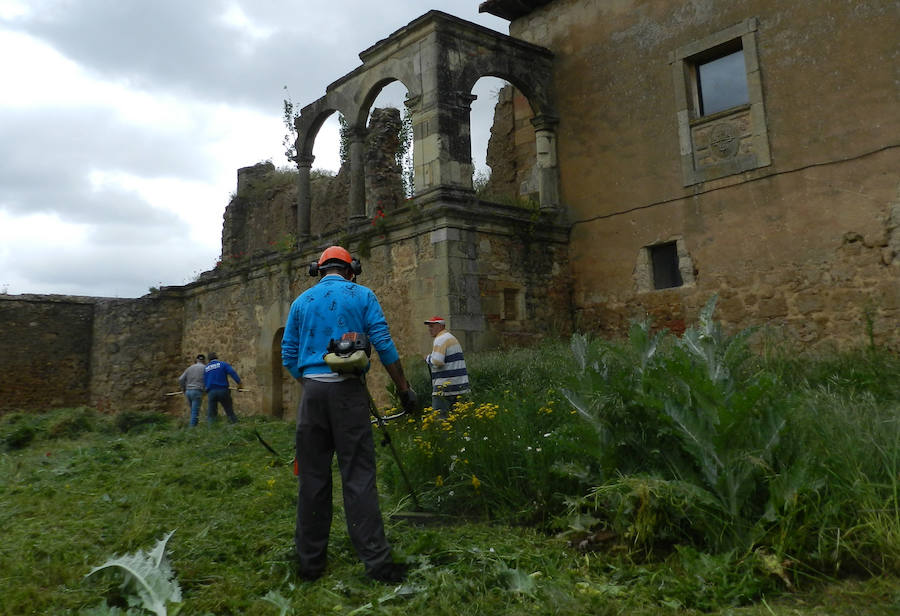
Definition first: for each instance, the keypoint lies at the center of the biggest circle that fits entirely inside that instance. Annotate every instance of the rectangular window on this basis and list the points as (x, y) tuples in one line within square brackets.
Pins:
[(664, 258), (510, 304), (719, 105), (722, 83)]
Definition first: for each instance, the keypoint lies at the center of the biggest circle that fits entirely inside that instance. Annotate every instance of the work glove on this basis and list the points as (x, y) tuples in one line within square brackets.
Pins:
[(409, 400)]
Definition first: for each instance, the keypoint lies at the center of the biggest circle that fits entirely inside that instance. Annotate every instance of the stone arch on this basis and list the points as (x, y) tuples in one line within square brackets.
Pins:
[(307, 125), (535, 86), (389, 149), (277, 386), (532, 84), (372, 86), (438, 57), (505, 146), (277, 402), (313, 116)]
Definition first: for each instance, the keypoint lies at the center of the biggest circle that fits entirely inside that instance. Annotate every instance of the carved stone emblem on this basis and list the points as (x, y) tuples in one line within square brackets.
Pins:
[(723, 140)]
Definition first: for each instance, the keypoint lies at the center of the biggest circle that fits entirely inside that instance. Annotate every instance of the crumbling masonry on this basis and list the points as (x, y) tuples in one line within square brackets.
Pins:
[(613, 197)]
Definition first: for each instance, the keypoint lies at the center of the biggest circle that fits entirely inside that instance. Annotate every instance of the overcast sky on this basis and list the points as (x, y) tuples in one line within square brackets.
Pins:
[(123, 124)]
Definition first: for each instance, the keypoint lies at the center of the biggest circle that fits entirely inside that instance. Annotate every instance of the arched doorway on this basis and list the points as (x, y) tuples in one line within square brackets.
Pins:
[(285, 390)]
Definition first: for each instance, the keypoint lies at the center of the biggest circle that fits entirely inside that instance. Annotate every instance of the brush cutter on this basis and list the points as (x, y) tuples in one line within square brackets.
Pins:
[(179, 393), (350, 355), (293, 462)]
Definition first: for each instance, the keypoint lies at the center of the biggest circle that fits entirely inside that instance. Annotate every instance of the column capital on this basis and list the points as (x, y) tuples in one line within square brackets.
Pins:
[(304, 161), (544, 121), (465, 99), (413, 102)]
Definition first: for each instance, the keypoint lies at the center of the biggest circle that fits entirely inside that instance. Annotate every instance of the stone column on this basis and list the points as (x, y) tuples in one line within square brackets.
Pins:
[(357, 139), (463, 154), (304, 198), (442, 152), (548, 177), (414, 107)]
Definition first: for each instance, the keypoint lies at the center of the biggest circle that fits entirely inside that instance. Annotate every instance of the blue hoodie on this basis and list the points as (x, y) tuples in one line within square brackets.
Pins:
[(326, 311), (215, 375)]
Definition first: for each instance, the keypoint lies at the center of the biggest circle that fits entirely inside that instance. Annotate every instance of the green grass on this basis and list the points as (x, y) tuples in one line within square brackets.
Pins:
[(74, 497), (601, 507)]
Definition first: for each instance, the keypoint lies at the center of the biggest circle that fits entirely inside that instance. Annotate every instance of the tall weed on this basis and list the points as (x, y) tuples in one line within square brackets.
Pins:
[(510, 451), (699, 421)]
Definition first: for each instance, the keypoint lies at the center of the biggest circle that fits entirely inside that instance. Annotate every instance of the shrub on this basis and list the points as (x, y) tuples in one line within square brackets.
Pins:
[(18, 435)]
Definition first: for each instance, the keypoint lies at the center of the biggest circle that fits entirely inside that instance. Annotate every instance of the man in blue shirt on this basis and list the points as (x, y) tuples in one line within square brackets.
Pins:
[(215, 380), (334, 416)]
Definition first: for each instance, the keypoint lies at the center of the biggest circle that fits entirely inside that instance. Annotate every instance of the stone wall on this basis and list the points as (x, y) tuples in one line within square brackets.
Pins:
[(46, 351), (496, 267), (330, 203), (803, 241), (239, 316), (262, 215), (384, 185), (136, 356), (807, 243), (511, 149)]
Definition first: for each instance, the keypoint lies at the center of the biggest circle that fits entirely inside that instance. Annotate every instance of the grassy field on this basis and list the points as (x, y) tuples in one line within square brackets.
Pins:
[(85, 491), (658, 476)]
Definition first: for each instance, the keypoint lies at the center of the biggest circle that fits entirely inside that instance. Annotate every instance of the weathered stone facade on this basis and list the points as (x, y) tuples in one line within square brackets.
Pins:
[(787, 206), (46, 351), (136, 356), (113, 354), (511, 152), (262, 215)]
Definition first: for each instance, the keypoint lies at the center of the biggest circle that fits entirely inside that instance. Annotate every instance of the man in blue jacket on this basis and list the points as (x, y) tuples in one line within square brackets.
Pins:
[(334, 416), (215, 380)]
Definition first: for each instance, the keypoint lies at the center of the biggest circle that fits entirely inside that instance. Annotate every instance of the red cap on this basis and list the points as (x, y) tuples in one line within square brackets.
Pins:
[(439, 320)]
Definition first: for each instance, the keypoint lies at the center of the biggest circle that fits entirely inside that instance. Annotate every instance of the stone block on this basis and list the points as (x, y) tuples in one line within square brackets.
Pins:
[(773, 307), (807, 302)]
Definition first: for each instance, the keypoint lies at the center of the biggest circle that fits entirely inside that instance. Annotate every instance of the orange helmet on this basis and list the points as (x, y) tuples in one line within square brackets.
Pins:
[(335, 256), (335, 253)]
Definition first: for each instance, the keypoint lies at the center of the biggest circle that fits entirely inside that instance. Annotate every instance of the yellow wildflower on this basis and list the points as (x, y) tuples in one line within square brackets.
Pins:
[(475, 482), (439, 480)]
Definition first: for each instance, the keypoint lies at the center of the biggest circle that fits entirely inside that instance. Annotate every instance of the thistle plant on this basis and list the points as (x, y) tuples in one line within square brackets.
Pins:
[(149, 582), (690, 413)]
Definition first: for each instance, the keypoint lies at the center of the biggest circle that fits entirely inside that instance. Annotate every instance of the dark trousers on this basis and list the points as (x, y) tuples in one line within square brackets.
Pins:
[(214, 397), (334, 417)]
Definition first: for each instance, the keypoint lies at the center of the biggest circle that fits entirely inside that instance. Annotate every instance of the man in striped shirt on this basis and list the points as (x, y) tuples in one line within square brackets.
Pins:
[(449, 379)]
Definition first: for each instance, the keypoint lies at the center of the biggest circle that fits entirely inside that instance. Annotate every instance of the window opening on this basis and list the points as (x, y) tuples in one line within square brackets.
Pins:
[(722, 82), (510, 304), (666, 273), (719, 105)]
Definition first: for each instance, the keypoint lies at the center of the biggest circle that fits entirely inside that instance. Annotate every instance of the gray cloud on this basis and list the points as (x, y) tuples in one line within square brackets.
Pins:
[(48, 155), (106, 270), (189, 48), (164, 48)]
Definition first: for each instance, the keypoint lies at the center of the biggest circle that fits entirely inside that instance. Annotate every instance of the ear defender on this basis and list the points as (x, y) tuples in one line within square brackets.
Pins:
[(355, 267)]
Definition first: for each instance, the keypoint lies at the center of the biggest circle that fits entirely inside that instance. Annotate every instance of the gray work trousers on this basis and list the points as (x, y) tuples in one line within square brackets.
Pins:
[(334, 417)]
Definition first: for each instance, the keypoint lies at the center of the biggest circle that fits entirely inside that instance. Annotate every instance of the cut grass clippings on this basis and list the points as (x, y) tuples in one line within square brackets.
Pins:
[(73, 497)]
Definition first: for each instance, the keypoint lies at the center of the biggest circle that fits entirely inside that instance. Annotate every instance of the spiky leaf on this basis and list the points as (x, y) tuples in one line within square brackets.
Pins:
[(149, 576)]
